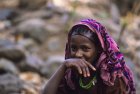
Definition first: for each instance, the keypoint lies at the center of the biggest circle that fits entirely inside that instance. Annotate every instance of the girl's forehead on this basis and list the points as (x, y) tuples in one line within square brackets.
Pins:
[(80, 39), (87, 33)]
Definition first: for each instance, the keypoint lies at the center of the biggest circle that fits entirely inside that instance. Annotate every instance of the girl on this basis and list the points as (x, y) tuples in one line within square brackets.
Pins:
[(93, 64)]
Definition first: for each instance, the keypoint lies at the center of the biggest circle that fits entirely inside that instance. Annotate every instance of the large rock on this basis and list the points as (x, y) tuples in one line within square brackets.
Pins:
[(6, 43), (9, 3), (113, 29), (71, 4), (58, 24), (31, 63), (33, 28), (7, 66), (13, 54), (28, 44), (10, 84), (33, 82), (4, 25), (135, 27), (115, 13), (126, 5), (33, 4), (6, 13), (131, 33), (42, 13), (51, 65), (9, 51), (54, 44)]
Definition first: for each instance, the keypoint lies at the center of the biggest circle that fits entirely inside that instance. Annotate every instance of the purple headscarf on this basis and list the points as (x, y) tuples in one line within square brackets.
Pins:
[(111, 62)]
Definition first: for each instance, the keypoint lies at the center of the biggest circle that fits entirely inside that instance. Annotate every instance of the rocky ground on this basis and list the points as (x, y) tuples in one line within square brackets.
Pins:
[(33, 36)]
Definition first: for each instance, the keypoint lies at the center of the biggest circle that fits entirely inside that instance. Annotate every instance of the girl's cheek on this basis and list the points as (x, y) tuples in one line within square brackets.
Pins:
[(72, 54)]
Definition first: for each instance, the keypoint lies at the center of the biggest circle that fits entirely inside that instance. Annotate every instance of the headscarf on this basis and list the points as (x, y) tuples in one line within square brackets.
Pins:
[(111, 61)]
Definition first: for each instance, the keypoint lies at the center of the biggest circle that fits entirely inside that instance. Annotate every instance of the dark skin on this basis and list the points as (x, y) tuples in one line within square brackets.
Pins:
[(83, 52)]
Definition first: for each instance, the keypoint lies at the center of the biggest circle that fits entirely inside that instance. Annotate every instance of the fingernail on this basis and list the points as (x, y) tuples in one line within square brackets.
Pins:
[(84, 75)]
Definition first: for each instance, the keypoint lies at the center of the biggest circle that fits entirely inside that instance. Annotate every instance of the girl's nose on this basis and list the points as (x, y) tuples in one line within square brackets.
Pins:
[(78, 54)]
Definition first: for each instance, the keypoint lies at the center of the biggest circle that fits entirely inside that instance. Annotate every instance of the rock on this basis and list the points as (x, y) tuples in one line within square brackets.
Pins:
[(28, 44), (10, 84), (114, 29), (97, 2), (55, 58), (33, 28), (51, 65), (54, 44), (16, 55), (115, 14), (138, 46), (6, 14), (7, 46), (31, 77), (7, 66), (5, 25), (34, 61), (32, 4), (33, 82), (57, 24), (134, 28), (53, 28), (131, 48), (130, 63), (43, 14), (6, 43), (86, 11), (137, 56), (61, 3), (9, 3), (31, 63), (125, 5), (69, 5)]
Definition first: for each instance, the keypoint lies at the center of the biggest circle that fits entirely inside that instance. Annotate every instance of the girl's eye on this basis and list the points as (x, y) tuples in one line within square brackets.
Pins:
[(73, 48), (85, 48)]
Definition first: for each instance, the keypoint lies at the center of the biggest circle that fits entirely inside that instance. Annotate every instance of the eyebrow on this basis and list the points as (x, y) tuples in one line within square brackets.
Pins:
[(85, 44)]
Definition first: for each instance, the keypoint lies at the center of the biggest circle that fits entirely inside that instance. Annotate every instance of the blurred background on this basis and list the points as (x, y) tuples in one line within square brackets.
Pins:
[(33, 36)]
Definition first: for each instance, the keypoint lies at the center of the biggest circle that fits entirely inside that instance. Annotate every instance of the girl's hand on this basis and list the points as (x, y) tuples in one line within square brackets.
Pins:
[(81, 65)]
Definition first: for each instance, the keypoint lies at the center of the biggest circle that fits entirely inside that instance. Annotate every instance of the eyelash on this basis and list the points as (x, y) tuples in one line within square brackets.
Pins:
[(73, 48), (83, 48)]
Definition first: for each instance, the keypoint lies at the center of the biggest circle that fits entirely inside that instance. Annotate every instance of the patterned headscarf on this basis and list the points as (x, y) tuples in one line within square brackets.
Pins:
[(111, 62)]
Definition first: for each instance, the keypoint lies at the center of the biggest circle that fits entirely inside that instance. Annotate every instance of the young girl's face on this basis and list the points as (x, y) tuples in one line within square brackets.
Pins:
[(82, 47)]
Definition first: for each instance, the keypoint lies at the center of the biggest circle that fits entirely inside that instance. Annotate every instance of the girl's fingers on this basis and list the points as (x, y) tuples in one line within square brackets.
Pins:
[(81, 65), (79, 70), (91, 66), (88, 73), (84, 72), (84, 68)]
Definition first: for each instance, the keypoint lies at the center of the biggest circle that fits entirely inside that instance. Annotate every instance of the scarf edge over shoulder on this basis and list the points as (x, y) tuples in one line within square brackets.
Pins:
[(111, 62)]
